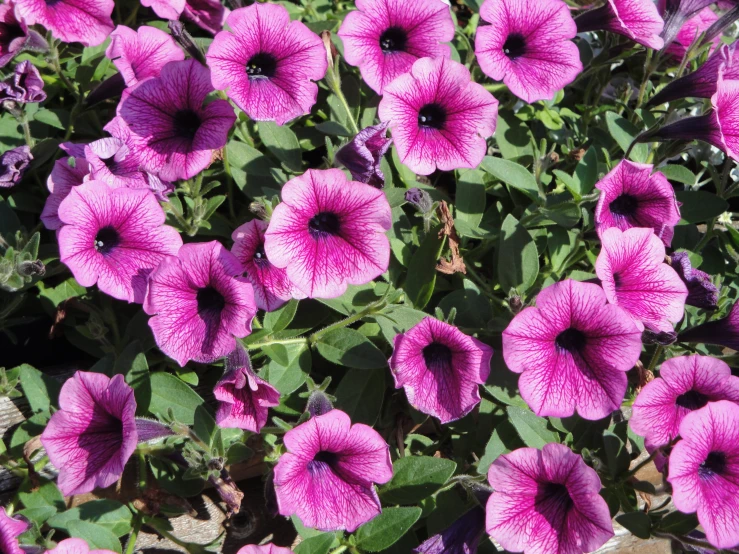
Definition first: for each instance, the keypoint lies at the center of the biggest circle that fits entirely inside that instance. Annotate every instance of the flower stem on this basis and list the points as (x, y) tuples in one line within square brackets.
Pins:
[(340, 95), (345, 322), (23, 120), (229, 184), (257, 345), (706, 237), (339, 550), (655, 358), (54, 59), (131, 544)]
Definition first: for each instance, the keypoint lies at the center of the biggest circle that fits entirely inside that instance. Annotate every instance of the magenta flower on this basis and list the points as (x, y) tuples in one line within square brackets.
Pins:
[(10, 529), (200, 303), (440, 368), (677, 12), (362, 155), (92, 436), (691, 30), (272, 288), (166, 9), (327, 476), (85, 21), (13, 164), (439, 118), (724, 332), (25, 85), (15, 37), (209, 15), (142, 53), (75, 546), (67, 173), (171, 132), (266, 64), (546, 501), (632, 196), (384, 37), (329, 232), (527, 46), (263, 549), (632, 269), (638, 20), (703, 471), (702, 293), (244, 398), (461, 537), (114, 237), (573, 351)]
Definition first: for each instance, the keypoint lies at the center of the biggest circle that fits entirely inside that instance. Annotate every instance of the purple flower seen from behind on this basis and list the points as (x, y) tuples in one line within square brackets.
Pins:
[(691, 30), (75, 546), (573, 351), (209, 15), (10, 529), (440, 368), (461, 537), (142, 53), (546, 501), (68, 172), (638, 20), (263, 549), (702, 293), (724, 332), (92, 436), (362, 155), (15, 37), (13, 164), (327, 476), (85, 21), (25, 85), (677, 12)]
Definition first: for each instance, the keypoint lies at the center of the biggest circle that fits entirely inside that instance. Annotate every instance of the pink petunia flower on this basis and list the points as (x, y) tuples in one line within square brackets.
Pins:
[(527, 46), (114, 237), (200, 303), (385, 37), (329, 232), (573, 351), (15, 36), (263, 549), (85, 21), (10, 529), (638, 20), (439, 119), (724, 332), (632, 196), (440, 368), (75, 546), (68, 172), (171, 132), (328, 474), (461, 537), (272, 288), (92, 436), (691, 30), (267, 62), (546, 501), (703, 471), (142, 53)]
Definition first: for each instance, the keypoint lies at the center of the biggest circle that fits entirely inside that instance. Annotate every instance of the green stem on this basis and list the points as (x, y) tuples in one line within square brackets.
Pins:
[(137, 522), (229, 185), (343, 323), (340, 95), (480, 282), (706, 237), (342, 548), (185, 431), (648, 69), (54, 58), (143, 479), (257, 345), (27, 130), (655, 358)]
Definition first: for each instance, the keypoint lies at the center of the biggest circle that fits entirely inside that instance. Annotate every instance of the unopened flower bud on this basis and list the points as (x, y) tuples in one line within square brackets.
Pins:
[(420, 199), (185, 40), (31, 268)]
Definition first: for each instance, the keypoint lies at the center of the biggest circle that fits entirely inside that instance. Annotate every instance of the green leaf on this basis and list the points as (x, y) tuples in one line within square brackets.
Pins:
[(40, 390), (279, 319), (561, 243), (287, 379), (52, 118), (511, 134), (320, 544), (513, 175), (96, 536), (135, 369), (110, 514), (624, 132), (350, 348), (282, 142), (63, 291), (398, 320), (586, 173), (170, 477), (169, 392), (638, 523), (470, 198), (360, 394), (44, 495), (617, 457), (387, 528), (699, 205), (504, 439), (518, 258), (38, 515), (421, 275), (678, 173), (531, 428), (678, 523), (416, 478)]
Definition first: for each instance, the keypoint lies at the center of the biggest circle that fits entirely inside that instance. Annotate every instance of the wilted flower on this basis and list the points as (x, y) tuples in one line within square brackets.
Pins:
[(24, 86), (13, 164), (702, 293), (461, 537), (87, 22), (15, 36), (10, 529), (75, 546), (362, 155), (724, 332), (142, 53), (638, 20), (67, 173)]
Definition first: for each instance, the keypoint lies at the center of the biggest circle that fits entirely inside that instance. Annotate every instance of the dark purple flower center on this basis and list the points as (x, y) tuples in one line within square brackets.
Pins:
[(393, 39), (210, 301), (714, 464), (186, 123), (322, 461), (514, 46), (625, 205), (553, 497), (261, 66), (324, 224), (571, 340), (432, 115), (8, 33), (260, 258), (692, 400), (437, 356), (106, 240)]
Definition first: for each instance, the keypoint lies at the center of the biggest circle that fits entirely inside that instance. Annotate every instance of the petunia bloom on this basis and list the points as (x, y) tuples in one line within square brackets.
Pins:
[(528, 46), (691, 30), (85, 21), (207, 14), (142, 53), (15, 36), (703, 470), (632, 196), (678, 12), (267, 64), (10, 529), (171, 132), (75, 546), (13, 164), (573, 351), (546, 501), (92, 436), (328, 473), (68, 172), (439, 118), (440, 368), (114, 237), (385, 37), (25, 85), (638, 20), (702, 293), (200, 303), (461, 537), (329, 232), (634, 276), (362, 155), (724, 332), (263, 549)]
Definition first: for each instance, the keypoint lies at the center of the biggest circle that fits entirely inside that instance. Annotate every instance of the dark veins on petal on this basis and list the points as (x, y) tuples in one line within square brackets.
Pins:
[(324, 224), (625, 205), (186, 123), (437, 356), (322, 461), (714, 464), (432, 116), (106, 239), (571, 340), (262, 65), (393, 39), (210, 301), (553, 502), (515, 46), (692, 400)]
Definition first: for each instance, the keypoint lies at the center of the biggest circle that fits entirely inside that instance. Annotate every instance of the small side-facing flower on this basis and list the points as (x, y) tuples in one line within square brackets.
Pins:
[(546, 501), (702, 293), (263, 549), (634, 276), (67, 173), (13, 164), (632, 196), (85, 21), (142, 53), (638, 20), (171, 132), (10, 529), (328, 474), (114, 237), (15, 37), (25, 85), (362, 155), (439, 119), (528, 46), (677, 12), (573, 351), (329, 232), (703, 471), (267, 64), (206, 14), (75, 546), (461, 537), (724, 332), (440, 368), (385, 37), (200, 303), (691, 30), (92, 436)]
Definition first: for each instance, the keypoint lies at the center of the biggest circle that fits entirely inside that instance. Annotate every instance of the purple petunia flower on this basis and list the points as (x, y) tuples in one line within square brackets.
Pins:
[(724, 332), (703, 471), (244, 398), (439, 118), (200, 303), (677, 12), (528, 46), (10, 529), (15, 37), (13, 164), (440, 368), (142, 53), (691, 30), (638, 20), (328, 474), (362, 155), (263, 549), (632, 196), (702, 293), (267, 62), (25, 85), (385, 37), (92, 436), (75, 546), (573, 351), (461, 537), (329, 232), (171, 133), (85, 21), (67, 173), (272, 288), (546, 501), (207, 14), (634, 276)]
